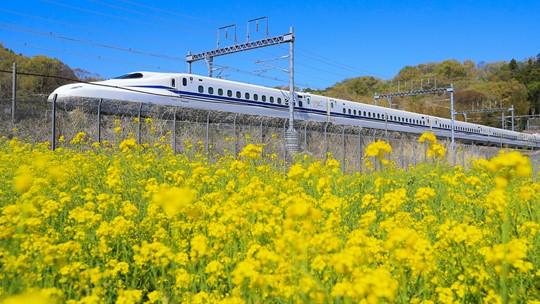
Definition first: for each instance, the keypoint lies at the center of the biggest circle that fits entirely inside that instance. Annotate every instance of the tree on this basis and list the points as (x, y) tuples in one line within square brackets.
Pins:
[(469, 97), (407, 73), (43, 65), (86, 76), (533, 89), (451, 69), (513, 66)]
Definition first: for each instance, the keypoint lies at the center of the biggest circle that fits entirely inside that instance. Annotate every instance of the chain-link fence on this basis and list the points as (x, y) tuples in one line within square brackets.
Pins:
[(219, 133)]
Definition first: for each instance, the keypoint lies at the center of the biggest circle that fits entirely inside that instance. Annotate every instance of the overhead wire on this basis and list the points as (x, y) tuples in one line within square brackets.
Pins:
[(57, 22), (299, 51), (118, 48), (131, 20), (167, 11), (89, 56), (262, 76), (335, 63), (147, 15)]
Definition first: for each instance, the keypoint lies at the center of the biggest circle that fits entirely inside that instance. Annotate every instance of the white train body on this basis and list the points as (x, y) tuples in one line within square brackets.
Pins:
[(194, 91)]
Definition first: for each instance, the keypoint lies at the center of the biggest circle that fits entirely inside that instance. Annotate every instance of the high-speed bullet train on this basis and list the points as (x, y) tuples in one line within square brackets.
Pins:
[(194, 91)]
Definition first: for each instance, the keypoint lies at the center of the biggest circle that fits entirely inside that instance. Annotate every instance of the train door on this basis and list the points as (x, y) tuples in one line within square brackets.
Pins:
[(307, 101), (329, 107)]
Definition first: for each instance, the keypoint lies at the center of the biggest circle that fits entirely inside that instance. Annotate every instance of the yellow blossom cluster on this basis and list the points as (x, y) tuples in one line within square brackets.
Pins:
[(378, 149), (140, 224), (435, 149)]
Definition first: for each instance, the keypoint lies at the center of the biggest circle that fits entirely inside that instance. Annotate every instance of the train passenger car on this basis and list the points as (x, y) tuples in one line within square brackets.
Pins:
[(194, 91)]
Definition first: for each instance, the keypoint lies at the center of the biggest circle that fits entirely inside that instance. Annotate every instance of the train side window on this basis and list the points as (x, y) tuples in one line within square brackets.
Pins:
[(272, 99), (354, 112), (349, 111), (344, 110), (238, 94), (279, 100), (220, 92), (255, 97), (300, 104), (201, 89), (332, 105), (229, 93), (308, 100), (184, 81), (364, 114), (173, 82), (247, 95), (263, 98), (210, 90)]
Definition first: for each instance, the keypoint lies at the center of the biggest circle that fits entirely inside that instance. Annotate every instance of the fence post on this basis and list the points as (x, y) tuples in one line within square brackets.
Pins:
[(414, 154), (325, 143), (99, 120), (53, 124), (535, 169), (454, 151), (425, 151), (463, 156), (139, 133), (14, 93), (360, 149), (206, 144), (235, 137), (305, 136), (174, 132), (343, 149), (386, 127), (284, 140), (401, 160), (261, 131)]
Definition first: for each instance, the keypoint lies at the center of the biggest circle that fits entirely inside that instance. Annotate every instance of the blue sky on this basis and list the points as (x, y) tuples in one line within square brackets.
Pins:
[(335, 40)]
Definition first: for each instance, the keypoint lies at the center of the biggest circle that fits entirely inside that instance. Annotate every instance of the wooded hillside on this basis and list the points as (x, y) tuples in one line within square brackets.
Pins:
[(477, 85), (29, 87)]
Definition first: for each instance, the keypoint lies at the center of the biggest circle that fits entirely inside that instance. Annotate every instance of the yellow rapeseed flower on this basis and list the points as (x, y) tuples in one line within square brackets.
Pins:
[(78, 139), (23, 182), (427, 136), (173, 200)]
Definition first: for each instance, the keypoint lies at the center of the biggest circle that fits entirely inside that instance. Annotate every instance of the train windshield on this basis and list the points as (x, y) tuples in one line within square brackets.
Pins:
[(130, 76)]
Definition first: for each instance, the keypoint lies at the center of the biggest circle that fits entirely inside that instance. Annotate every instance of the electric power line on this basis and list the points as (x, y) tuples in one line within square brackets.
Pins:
[(113, 16), (131, 50), (147, 15), (87, 56), (167, 11), (302, 52)]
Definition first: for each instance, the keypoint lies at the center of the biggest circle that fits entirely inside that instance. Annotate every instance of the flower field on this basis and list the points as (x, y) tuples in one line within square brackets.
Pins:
[(127, 223)]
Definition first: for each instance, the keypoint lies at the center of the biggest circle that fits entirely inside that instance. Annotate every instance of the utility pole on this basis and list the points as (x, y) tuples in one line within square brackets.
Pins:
[(453, 114), (291, 136), (490, 110), (427, 91)]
